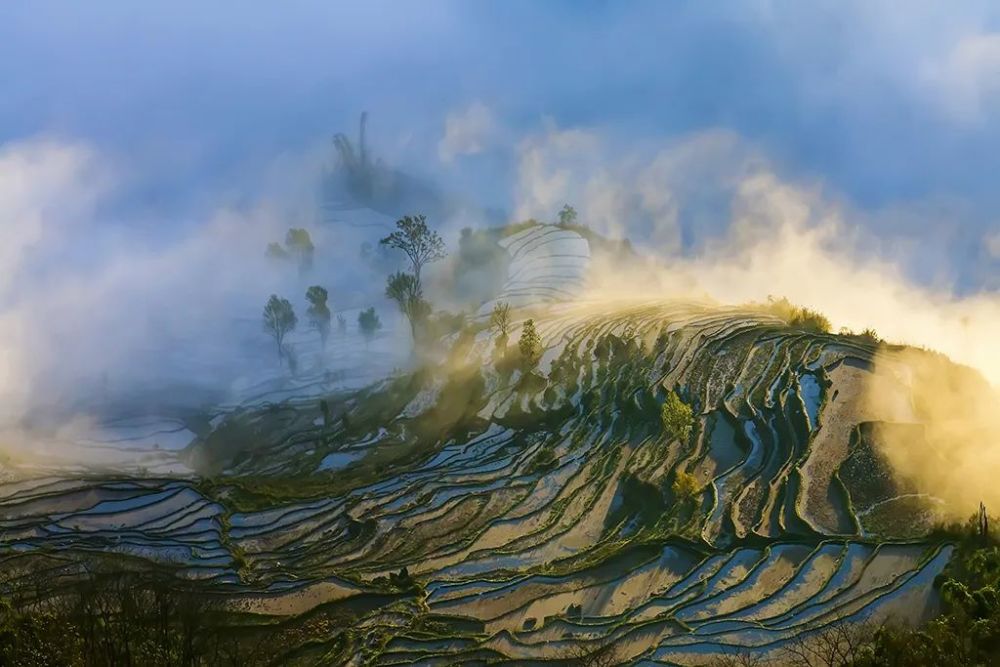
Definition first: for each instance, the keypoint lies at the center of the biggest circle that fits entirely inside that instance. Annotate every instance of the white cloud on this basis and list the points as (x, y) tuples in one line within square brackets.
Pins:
[(993, 245), (965, 80), (631, 193), (467, 132), (552, 168), (45, 186)]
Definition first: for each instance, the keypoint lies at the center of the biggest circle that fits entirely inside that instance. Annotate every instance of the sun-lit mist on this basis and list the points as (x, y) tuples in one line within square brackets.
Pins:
[(786, 242), (955, 454)]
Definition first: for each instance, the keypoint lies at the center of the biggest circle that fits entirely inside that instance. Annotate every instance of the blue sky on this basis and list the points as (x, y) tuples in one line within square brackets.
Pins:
[(894, 109)]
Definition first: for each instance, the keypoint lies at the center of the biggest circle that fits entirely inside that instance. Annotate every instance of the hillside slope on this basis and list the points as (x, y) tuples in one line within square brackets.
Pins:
[(537, 509)]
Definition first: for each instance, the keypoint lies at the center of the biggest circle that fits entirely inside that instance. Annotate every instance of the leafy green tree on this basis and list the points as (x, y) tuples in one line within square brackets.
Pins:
[(500, 323), (369, 323), (567, 216), (404, 289), (279, 320), (530, 345), (421, 244), (677, 417), (685, 485), (300, 245), (318, 311), (276, 251)]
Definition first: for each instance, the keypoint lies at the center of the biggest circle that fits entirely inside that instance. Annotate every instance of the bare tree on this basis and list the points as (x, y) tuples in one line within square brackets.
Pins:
[(500, 322), (583, 656), (420, 243), (741, 658), (104, 615), (839, 645)]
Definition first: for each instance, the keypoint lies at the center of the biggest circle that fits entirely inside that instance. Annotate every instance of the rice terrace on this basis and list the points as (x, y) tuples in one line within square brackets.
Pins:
[(361, 413)]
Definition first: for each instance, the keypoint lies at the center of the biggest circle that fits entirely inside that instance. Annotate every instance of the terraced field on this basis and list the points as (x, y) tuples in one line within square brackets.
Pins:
[(534, 510)]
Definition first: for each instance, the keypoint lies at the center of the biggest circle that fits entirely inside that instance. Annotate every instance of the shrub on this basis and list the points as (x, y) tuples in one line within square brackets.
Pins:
[(543, 461), (871, 335), (798, 316)]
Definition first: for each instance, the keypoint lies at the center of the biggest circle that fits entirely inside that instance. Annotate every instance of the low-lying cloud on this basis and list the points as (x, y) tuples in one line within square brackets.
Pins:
[(90, 293), (95, 296), (467, 132), (748, 233), (955, 453)]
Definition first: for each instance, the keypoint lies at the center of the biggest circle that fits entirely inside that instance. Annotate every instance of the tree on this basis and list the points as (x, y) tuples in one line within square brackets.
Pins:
[(318, 311), (530, 345), (279, 319), (369, 323), (300, 245), (404, 289), (677, 417), (836, 645), (293, 360), (276, 251), (740, 658), (500, 323), (102, 616), (341, 324), (567, 216), (585, 656), (685, 485), (421, 244)]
